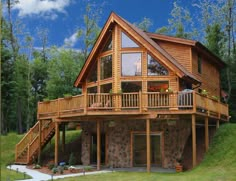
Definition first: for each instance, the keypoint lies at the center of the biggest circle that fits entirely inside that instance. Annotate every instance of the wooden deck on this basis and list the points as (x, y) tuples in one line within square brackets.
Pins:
[(137, 103)]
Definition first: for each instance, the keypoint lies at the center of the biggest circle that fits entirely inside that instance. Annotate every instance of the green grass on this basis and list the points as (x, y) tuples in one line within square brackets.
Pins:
[(219, 164), (8, 155)]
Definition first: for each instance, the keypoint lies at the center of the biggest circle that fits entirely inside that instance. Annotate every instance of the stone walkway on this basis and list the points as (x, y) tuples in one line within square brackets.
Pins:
[(38, 176)]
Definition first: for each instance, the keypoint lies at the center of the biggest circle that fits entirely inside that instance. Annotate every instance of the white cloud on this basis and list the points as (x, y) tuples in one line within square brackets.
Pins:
[(71, 40), (47, 8)]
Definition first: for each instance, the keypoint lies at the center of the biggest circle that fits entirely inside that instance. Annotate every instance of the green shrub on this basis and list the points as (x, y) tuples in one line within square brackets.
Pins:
[(72, 159), (37, 166), (54, 170), (50, 166)]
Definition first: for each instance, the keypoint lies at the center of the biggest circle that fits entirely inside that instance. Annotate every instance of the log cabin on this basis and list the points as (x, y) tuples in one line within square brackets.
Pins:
[(147, 100)]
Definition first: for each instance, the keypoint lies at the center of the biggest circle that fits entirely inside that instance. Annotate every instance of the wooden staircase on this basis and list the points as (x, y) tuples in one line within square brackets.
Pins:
[(27, 149)]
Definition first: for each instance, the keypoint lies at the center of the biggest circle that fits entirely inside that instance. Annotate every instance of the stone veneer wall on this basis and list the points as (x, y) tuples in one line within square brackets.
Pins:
[(175, 135)]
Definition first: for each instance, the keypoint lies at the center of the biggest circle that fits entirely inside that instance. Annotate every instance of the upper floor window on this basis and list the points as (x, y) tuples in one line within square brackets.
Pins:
[(92, 76), (106, 67), (131, 64), (92, 89), (132, 86), (157, 86), (108, 45), (199, 64), (155, 68), (106, 88), (126, 42)]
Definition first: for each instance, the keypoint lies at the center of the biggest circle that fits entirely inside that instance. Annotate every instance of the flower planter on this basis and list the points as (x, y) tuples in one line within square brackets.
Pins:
[(178, 168)]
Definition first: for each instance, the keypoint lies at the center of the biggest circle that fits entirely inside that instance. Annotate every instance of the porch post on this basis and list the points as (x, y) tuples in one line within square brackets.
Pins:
[(40, 135), (63, 137), (206, 134), (194, 139), (148, 145), (56, 142), (217, 124), (98, 146)]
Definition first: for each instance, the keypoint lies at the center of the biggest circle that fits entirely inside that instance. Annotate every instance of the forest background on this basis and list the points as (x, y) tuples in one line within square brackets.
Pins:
[(29, 74)]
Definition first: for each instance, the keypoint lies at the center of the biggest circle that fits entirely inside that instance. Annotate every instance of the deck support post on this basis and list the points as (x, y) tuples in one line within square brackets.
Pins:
[(56, 142), (98, 146), (148, 145), (206, 134), (63, 138), (194, 140), (40, 136), (217, 124)]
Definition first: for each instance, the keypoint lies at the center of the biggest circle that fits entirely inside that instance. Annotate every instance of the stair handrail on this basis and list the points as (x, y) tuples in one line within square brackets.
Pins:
[(28, 135)]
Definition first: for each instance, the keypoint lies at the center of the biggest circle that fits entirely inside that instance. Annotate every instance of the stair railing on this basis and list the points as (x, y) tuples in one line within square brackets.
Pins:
[(26, 140)]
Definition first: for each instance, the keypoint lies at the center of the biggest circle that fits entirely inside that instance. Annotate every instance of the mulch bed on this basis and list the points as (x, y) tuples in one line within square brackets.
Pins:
[(44, 169)]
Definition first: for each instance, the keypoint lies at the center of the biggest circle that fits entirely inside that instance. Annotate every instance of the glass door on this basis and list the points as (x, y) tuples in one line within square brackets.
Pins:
[(140, 150)]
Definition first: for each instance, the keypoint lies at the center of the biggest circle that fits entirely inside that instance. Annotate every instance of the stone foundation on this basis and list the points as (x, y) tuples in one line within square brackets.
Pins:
[(175, 135)]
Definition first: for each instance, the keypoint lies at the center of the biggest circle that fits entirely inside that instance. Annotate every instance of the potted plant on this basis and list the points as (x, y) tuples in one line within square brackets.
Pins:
[(67, 96), (204, 92), (178, 165), (46, 100)]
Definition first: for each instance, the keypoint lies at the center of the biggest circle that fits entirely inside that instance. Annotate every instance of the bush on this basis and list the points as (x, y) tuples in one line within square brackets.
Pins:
[(54, 170), (37, 166), (72, 159), (50, 166)]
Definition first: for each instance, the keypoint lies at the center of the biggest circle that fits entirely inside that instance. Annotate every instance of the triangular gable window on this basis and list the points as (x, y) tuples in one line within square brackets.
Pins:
[(126, 42), (155, 68), (108, 45)]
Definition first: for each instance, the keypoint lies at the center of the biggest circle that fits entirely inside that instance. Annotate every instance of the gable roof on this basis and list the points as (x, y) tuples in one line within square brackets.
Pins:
[(196, 44), (146, 39)]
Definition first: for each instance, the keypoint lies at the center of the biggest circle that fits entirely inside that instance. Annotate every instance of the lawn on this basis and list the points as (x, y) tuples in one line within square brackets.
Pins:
[(219, 164), (8, 155)]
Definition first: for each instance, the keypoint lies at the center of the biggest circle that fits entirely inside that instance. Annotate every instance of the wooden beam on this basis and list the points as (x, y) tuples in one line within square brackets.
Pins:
[(217, 124), (148, 145), (194, 140), (56, 142), (206, 134), (63, 137), (98, 146), (40, 136)]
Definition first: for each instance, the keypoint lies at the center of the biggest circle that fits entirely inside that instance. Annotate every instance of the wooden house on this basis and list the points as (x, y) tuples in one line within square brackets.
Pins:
[(144, 96)]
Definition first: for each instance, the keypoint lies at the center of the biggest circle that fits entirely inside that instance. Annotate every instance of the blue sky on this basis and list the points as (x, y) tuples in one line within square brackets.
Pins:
[(63, 17)]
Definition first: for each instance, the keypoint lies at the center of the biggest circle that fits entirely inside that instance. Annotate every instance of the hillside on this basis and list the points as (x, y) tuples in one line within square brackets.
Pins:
[(219, 163)]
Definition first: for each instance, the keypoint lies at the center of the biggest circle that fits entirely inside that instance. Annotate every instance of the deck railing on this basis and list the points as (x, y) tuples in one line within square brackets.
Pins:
[(141, 101)]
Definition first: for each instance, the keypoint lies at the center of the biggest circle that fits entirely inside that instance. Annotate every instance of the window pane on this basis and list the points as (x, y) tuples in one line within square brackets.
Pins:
[(106, 88), (155, 68), (92, 89), (92, 77), (108, 45), (106, 67), (131, 86), (131, 64), (126, 42), (158, 86)]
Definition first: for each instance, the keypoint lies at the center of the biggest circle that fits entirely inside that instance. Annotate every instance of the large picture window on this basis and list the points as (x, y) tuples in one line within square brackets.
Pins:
[(106, 67), (131, 64), (126, 42), (92, 77), (155, 68)]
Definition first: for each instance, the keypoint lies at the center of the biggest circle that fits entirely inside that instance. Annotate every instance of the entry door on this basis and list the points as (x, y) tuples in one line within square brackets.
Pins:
[(140, 150)]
